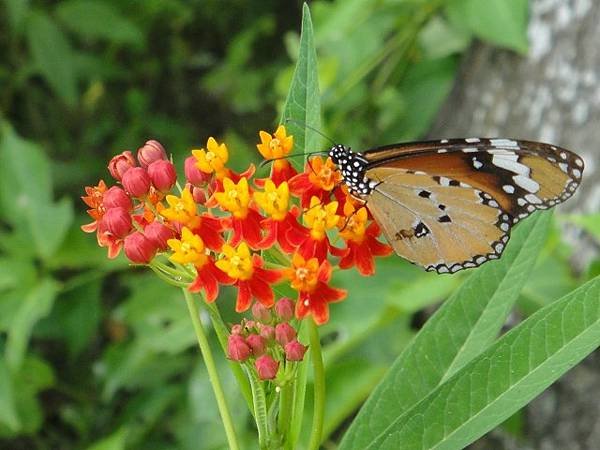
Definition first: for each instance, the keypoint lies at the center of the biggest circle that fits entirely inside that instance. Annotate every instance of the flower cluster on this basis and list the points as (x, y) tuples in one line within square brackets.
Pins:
[(229, 228), (269, 340)]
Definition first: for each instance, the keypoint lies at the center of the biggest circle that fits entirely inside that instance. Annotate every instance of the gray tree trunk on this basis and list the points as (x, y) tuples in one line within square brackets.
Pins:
[(552, 95)]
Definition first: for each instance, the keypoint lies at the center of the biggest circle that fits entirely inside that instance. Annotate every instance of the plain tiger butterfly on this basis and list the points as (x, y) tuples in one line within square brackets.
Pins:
[(450, 205)]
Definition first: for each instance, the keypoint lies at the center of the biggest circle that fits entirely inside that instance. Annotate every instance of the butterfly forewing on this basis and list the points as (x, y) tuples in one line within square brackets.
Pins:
[(485, 186)]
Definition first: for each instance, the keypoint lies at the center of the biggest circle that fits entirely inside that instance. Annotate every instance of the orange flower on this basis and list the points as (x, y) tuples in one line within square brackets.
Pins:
[(94, 199), (318, 180), (361, 240), (310, 278)]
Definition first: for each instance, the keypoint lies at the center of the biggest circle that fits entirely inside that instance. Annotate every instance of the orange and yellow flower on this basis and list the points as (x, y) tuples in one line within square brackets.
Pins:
[(319, 218), (311, 279), (361, 240), (212, 159), (276, 147), (245, 220), (251, 279), (318, 180)]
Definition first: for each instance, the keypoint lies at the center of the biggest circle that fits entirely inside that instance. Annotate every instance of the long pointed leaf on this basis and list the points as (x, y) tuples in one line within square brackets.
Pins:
[(463, 327), (303, 103), (504, 378)]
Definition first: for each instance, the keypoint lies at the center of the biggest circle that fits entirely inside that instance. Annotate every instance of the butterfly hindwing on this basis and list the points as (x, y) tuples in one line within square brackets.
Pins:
[(443, 226)]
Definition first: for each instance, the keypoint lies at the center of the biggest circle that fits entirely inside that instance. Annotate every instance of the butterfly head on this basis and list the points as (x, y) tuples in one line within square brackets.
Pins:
[(339, 154)]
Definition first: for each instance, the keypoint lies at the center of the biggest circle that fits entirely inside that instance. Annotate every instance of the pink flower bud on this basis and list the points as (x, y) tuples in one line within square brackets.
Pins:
[(294, 351), (120, 164), (266, 367), (260, 313), (267, 331), (285, 309), (138, 248), (117, 221), (149, 152), (163, 175), (249, 324), (237, 349), (237, 329), (257, 343), (116, 197), (194, 175), (284, 333), (136, 181), (198, 194), (159, 233)]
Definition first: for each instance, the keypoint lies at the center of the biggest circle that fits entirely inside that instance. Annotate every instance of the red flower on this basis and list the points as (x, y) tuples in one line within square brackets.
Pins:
[(320, 218), (361, 241), (251, 279), (208, 278), (318, 180), (310, 278), (245, 220)]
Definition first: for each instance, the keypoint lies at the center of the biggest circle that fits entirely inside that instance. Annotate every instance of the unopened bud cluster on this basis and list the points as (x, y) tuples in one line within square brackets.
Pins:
[(268, 341)]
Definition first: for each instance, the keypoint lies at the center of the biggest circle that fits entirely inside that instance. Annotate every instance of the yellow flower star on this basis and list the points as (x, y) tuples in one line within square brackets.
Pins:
[(275, 200), (236, 263), (189, 249), (321, 218), (235, 198)]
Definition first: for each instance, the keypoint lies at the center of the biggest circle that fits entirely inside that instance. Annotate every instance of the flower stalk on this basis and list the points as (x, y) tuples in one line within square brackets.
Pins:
[(212, 370)]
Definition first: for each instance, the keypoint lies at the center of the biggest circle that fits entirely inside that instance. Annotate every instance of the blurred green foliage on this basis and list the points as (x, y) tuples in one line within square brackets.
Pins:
[(98, 356)]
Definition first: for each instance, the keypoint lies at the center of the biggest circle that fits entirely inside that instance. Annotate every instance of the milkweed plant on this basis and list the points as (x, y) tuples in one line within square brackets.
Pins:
[(217, 227)]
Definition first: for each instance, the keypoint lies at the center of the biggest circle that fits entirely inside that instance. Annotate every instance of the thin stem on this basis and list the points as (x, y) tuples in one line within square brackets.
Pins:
[(319, 386), (213, 375), (260, 408), (286, 402)]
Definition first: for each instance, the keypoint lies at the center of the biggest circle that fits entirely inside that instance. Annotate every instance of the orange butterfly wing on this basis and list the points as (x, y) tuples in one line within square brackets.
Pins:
[(449, 205)]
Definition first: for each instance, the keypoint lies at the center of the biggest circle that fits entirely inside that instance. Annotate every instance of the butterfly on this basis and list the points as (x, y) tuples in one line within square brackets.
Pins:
[(449, 205)]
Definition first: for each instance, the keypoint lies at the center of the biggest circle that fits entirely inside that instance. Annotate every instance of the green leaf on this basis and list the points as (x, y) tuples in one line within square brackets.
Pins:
[(303, 103), (24, 176), (8, 411), (501, 22), (115, 441), (466, 324), (53, 56), (36, 304), (496, 384), (89, 18), (16, 10), (48, 224)]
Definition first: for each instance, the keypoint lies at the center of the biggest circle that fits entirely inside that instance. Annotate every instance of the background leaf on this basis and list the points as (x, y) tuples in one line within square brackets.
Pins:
[(90, 18), (52, 56), (459, 331), (501, 22)]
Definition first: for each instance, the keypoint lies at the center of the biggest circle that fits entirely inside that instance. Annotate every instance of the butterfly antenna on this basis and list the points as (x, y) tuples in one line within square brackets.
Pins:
[(305, 125), (268, 161)]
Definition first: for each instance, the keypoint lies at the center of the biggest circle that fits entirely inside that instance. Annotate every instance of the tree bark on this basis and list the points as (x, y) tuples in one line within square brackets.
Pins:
[(553, 95)]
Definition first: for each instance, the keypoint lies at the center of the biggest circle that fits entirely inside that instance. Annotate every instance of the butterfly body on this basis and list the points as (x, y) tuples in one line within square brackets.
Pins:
[(449, 205)]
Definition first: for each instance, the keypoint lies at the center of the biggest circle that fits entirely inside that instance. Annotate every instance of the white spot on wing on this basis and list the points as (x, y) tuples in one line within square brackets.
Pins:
[(510, 163), (508, 188), (527, 183), (504, 143), (531, 198), (472, 140)]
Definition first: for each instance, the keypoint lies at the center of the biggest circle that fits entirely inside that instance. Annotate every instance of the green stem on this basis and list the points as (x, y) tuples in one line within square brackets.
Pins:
[(260, 408), (286, 402), (213, 375), (319, 386)]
